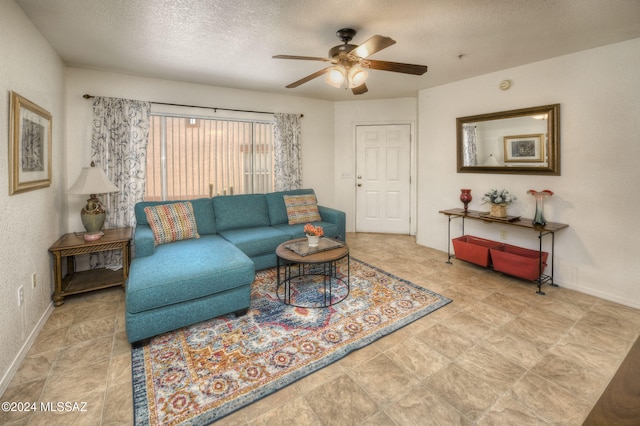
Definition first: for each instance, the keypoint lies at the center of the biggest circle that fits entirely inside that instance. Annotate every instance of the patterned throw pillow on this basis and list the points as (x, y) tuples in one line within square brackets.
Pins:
[(302, 208), (172, 222)]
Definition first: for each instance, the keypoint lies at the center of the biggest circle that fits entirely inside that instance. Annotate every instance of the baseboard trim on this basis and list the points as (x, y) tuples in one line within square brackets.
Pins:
[(24, 350), (601, 295)]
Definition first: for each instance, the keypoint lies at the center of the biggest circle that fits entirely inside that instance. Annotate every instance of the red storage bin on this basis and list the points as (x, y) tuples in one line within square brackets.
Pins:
[(518, 261), (473, 249)]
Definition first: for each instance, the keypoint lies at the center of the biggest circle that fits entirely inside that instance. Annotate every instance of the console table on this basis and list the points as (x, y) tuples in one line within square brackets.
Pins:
[(549, 229), (74, 282)]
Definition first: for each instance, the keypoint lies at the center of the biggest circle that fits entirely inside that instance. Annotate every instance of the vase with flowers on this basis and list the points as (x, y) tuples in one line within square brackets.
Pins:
[(313, 234), (499, 200)]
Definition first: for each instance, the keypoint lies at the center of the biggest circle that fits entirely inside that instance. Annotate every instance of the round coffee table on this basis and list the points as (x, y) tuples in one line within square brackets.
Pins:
[(312, 280)]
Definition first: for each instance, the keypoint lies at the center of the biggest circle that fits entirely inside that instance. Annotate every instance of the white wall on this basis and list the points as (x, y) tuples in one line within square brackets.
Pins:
[(30, 222), (317, 124), (599, 94), (349, 114)]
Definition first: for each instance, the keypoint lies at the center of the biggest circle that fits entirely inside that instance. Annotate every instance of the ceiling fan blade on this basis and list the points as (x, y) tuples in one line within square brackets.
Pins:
[(304, 58), (360, 89), (394, 67), (308, 78), (373, 45)]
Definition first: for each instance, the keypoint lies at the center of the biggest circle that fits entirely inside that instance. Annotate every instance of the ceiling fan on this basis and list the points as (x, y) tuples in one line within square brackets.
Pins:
[(349, 62)]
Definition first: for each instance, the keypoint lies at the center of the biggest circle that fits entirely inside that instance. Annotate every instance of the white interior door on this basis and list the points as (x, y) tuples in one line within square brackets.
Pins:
[(383, 179)]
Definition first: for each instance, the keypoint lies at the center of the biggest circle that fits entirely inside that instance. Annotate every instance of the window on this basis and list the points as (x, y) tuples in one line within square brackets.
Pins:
[(194, 157)]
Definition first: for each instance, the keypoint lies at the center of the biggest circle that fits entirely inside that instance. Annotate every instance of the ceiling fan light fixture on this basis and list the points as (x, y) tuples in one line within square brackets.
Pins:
[(357, 76), (350, 64), (335, 77)]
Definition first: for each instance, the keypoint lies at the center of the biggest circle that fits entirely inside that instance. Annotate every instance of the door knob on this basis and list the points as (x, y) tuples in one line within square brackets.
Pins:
[(359, 184), (359, 176)]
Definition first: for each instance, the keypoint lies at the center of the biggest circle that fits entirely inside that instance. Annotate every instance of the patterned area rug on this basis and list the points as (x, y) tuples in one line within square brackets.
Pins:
[(201, 373)]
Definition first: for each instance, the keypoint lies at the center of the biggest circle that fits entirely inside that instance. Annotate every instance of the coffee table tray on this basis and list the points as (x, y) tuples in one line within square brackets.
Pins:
[(301, 248)]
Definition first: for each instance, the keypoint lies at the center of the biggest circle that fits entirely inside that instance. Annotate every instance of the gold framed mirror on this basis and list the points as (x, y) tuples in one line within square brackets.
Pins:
[(521, 141)]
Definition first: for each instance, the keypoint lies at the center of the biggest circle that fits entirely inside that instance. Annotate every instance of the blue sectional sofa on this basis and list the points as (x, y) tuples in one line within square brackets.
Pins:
[(183, 282)]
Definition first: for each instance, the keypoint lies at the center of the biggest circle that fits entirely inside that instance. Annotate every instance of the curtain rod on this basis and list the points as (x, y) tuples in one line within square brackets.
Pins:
[(87, 96)]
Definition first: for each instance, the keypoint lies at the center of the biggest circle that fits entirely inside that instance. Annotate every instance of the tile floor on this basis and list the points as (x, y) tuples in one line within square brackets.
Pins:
[(499, 354)]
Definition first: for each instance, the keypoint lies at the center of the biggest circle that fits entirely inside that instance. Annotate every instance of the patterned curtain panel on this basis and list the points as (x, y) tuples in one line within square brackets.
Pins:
[(471, 146), (287, 161), (119, 146)]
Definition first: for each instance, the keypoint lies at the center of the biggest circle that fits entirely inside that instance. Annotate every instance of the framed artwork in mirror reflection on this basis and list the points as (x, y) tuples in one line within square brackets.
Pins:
[(524, 148)]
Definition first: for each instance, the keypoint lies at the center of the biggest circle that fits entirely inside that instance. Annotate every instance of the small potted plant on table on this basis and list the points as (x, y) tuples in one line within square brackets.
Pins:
[(313, 234), (499, 201)]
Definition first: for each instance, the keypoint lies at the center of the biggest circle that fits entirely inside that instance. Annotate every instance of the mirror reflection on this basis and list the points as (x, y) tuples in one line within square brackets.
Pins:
[(521, 141)]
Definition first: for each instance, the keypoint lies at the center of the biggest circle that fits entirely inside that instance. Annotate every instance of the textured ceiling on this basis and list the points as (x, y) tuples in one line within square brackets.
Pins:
[(230, 43)]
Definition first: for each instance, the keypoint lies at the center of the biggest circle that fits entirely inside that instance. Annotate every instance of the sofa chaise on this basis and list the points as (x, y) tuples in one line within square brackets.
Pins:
[(208, 270)]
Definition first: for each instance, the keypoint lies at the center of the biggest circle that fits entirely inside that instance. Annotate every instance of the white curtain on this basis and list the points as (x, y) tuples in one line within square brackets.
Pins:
[(287, 161), (119, 146), (470, 145)]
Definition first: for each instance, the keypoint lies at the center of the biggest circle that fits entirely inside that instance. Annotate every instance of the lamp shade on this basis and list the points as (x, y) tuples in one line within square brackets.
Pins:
[(335, 76), (92, 180), (357, 76), (491, 161)]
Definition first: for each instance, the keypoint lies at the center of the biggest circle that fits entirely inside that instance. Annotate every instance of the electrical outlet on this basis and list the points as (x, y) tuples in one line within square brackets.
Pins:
[(503, 235), (34, 280), (20, 296)]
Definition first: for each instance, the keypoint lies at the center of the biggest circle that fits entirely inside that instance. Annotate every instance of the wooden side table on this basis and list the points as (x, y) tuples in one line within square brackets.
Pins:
[(335, 286), (72, 244)]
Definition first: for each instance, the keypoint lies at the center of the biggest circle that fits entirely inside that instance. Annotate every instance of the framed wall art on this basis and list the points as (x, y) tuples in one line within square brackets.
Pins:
[(524, 148), (29, 146)]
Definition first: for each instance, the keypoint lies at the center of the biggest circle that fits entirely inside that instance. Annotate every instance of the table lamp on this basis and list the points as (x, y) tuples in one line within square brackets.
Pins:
[(92, 181), (491, 161)]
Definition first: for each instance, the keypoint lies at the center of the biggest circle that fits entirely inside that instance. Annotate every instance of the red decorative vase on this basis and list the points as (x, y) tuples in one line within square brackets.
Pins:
[(465, 197)]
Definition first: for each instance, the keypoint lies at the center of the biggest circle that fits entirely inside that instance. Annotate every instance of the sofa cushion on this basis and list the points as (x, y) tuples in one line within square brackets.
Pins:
[(144, 243), (240, 211), (301, 208), (256, 241), (202, 210), (172, 222), (277, 208), (186, 270)]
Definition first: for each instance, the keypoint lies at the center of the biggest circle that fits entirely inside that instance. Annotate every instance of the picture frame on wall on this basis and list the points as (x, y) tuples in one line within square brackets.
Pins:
[(524, 148), (29, 146)]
